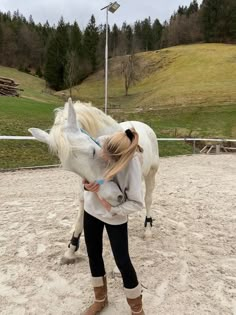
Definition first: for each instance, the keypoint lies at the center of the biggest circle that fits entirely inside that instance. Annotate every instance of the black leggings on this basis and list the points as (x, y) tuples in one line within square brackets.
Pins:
[(118, 236)]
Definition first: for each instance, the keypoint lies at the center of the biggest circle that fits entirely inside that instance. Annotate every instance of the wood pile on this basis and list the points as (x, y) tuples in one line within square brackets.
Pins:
[(9, 87)]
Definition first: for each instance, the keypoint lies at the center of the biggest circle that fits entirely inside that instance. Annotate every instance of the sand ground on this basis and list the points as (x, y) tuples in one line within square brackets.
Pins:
[(188, 267)]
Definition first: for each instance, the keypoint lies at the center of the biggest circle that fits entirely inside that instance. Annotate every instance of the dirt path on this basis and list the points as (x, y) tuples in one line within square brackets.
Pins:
[(189, 267)]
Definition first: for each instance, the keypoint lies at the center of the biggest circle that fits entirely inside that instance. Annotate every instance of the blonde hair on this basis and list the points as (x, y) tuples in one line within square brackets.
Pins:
[(120, 149)]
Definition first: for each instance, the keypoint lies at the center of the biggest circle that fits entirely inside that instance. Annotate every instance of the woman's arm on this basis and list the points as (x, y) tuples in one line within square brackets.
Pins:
[(93, 187)]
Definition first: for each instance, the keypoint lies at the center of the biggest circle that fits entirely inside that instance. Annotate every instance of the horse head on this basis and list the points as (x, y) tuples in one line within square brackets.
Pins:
[(79, 152)]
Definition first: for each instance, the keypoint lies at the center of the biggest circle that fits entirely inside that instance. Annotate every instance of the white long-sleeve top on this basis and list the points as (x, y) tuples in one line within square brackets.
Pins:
[(129, 181)]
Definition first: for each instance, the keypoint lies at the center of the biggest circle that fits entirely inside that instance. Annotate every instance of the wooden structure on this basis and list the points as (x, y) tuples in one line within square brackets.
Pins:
[(217, 148), (8, 87)]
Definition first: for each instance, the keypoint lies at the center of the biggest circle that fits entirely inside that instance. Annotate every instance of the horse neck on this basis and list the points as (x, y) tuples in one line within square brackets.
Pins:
[(94, 121)]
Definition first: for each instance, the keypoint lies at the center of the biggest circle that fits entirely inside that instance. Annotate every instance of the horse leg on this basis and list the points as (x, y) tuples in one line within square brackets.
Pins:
[(70, 257), (150, 184)]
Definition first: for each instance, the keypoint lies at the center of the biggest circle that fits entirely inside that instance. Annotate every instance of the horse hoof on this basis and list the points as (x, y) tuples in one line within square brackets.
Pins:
[(68, 261)]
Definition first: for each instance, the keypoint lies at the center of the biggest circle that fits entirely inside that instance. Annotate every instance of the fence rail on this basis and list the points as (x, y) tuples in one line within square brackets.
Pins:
[(158, 139), (207, 148)]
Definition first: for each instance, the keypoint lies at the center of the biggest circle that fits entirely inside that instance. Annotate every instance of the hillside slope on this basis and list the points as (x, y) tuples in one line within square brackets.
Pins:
[(201, 74), (182, 91), (33, 87)]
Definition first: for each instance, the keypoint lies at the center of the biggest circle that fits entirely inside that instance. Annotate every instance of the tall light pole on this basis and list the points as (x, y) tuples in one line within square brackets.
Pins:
[(112, 7)]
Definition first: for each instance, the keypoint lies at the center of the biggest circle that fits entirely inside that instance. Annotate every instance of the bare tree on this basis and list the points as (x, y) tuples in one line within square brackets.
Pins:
[(71, 70), (129, 68)]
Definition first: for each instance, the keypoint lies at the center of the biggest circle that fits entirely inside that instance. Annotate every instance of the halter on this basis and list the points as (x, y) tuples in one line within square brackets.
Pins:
[(98, 181), (94, 140)]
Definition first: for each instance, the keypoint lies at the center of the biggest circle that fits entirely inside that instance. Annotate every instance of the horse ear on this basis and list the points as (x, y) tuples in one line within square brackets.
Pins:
[(40, 135), (71, 123)]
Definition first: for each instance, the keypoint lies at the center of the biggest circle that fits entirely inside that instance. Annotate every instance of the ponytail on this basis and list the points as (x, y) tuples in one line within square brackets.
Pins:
[(120, 148)]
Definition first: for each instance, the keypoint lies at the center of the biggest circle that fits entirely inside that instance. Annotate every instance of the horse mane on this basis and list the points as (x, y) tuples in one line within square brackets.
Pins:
[(90, 118), (95, 121)]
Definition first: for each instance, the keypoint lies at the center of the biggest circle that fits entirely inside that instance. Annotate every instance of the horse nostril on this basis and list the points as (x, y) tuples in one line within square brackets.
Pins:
[(120, 198)]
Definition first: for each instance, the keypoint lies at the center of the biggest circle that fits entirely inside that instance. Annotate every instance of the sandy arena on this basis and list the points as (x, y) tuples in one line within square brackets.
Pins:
[(188, 267)]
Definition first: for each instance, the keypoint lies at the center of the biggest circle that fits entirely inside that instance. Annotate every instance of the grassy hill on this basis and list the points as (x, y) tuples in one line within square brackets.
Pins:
[(193, 75), (34, 87), (33, 108), (181, 91)]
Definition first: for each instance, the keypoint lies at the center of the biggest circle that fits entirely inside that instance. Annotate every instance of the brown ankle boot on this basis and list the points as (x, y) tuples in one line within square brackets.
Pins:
[(134, 299), (136, 306), (100, 292)]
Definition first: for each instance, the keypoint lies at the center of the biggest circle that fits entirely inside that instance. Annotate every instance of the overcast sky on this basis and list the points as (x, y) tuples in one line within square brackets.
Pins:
[(81, 10)]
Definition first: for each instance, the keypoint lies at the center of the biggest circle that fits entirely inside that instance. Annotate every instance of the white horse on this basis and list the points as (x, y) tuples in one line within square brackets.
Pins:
[(72, 138)]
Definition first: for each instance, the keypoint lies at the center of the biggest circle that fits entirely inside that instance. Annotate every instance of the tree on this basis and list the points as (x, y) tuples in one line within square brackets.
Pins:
[(165, 35), (56, 57), (91, 39), (147, 39), (232, 21), (114, 39), (129, 71), (129, 39), (9, 48), (193, 8), (212, 10), (72, 70), (156, 34), (181, 11), (102, 43), (31, 21), (76, 39), (184, 27), (137, 36)]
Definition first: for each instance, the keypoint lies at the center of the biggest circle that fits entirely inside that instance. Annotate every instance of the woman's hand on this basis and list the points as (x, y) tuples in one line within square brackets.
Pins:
[(105, 204), (93, 187)]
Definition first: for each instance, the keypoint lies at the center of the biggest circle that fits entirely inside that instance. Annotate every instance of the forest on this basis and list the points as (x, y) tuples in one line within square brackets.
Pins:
[(64, 54)]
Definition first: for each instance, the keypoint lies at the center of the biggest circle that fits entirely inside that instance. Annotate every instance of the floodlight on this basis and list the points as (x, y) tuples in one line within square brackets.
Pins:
[(113, 7)]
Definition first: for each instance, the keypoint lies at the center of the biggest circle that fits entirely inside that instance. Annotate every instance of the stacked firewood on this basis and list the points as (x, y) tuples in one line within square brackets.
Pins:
[(9, 87)]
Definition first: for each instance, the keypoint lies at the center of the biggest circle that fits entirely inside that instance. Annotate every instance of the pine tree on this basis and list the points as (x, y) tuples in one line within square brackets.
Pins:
[(31, 21), (91, 39), (193, 8), (76, 39), (232, 19), (129, 39), (114, 39), (211, 19), (74, 57), (147, 39), (156, 33), (182, 10), (56, 57), (137, 36)]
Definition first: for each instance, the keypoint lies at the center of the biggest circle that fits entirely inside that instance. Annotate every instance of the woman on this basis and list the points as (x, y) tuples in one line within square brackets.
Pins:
[(119, 150)]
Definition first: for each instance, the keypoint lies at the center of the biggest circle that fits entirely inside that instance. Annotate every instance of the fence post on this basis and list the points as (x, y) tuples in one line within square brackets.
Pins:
[(194, 146), (217, 148)]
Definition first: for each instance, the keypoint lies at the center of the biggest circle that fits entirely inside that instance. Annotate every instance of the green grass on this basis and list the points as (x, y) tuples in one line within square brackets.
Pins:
[(219, 121), (33, 87), (16, 116), (197, 122), (15, 154), (183, 91), (181, 76), (34, 108)]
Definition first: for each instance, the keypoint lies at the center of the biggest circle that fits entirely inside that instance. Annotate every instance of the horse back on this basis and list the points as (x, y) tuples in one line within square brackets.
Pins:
[(148, 141)]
